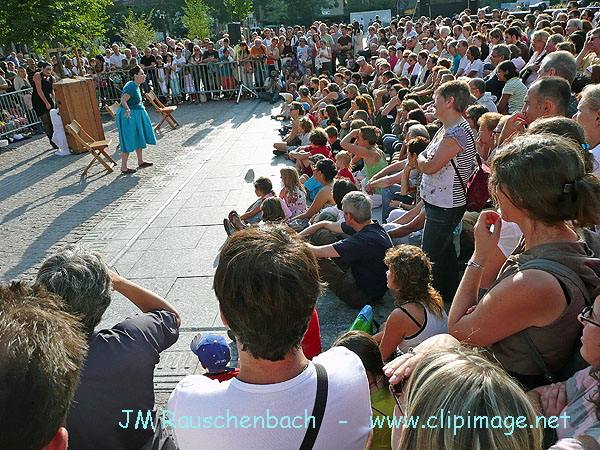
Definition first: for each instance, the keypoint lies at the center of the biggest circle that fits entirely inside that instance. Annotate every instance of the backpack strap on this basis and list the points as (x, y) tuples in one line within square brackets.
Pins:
[(554, 268), (318, 409), (536, 356)]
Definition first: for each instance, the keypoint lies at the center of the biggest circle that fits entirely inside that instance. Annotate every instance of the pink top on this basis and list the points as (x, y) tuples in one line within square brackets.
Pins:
[(286, 210), (581, 412)]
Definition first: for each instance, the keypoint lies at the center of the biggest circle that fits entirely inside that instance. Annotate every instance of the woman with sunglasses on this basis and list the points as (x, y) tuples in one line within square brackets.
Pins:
[(575, 401)]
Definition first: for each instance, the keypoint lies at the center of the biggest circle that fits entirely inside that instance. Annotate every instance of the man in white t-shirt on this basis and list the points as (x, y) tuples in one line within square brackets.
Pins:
[(116, 59), (461, 48), (267, 284)]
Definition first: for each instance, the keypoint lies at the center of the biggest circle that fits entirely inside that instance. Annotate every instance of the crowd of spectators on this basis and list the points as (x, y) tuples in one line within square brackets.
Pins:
[(477, 140)]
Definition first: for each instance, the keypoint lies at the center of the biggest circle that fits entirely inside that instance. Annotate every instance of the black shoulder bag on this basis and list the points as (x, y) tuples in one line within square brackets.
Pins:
[(318, 409)]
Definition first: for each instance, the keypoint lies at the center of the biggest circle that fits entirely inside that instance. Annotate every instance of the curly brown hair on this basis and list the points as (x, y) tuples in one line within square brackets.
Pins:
[(411, 272)]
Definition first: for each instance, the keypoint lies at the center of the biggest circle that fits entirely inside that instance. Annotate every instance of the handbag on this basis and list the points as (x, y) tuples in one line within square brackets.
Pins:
[(476, 190)]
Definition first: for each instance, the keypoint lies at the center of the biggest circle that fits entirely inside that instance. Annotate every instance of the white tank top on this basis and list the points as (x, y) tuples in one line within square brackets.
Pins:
[(433, 325)]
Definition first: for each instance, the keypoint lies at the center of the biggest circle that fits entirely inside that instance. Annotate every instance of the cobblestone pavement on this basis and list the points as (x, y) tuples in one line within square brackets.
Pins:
[(161, 227), (45, 203)]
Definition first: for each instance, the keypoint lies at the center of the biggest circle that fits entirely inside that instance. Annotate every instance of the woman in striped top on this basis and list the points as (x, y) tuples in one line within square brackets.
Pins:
[(441, 189)]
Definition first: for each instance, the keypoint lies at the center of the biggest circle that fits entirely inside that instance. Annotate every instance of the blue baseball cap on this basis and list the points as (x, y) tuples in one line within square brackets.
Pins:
[(306, 106), (212, 351)]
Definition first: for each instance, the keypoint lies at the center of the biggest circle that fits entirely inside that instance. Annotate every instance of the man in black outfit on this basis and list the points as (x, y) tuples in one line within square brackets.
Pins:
[(344, 45), (147, 62), (353, 268), (500, 53)]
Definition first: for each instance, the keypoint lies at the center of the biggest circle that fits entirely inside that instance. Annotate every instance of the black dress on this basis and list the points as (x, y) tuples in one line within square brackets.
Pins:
[(38, 104)]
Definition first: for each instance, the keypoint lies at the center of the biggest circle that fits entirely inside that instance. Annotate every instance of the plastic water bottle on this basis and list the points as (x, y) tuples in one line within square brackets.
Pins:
[(364, 320)]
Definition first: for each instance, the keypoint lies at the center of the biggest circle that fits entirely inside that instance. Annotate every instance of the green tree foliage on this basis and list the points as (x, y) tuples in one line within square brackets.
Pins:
[(241, 9), (46, 23), (276, 11), (196, 18), (138, 30)]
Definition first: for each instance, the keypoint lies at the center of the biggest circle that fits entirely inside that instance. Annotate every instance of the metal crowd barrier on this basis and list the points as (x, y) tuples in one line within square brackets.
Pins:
[(193, 81), (16, 112)]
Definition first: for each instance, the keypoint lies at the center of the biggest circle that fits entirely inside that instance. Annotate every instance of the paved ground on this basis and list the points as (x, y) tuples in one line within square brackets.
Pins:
[(161, 227)]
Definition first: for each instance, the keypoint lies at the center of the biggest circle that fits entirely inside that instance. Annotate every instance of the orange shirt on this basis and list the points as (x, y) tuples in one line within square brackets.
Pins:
[(254, 51)]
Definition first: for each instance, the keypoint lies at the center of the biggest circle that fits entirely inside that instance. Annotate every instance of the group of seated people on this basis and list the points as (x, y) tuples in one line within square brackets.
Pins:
[(488, 243)]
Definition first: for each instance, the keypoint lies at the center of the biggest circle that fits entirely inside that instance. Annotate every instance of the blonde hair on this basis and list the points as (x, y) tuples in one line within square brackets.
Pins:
[(465, 384), (290, 177), (344, 157)]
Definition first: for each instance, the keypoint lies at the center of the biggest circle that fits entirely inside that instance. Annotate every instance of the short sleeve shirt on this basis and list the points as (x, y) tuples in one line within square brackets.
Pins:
[(517, 91), (147, 61), (365, 251), (118, 375), (477, 66), (443, 188), (135, 99)]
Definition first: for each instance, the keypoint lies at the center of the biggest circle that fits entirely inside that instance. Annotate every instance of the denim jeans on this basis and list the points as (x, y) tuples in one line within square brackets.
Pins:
[(386, 196), (391, 143), (271, 97), (438, 244)]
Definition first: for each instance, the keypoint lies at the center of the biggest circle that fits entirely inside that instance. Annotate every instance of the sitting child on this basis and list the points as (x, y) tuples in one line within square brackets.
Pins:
[(263, 189), (272, 210), (419, 312), (342, 163), (318, 145), (382, 401), (333, 139), (312, 186), (293, 191), (284, 112), (214, 355)]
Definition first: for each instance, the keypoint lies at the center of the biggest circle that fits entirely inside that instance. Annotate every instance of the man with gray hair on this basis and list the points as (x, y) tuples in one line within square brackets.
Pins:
[(573, 25), (561, 64), (498, 55), (358, 274), (552, 41), (118, 373)]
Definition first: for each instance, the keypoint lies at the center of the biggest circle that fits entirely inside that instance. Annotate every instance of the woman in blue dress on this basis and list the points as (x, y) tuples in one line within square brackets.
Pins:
[(135, 128)]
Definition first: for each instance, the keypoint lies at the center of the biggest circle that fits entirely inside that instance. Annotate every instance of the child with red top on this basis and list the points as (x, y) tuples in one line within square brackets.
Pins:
[(214, 355), (343, 161), (318, 145)]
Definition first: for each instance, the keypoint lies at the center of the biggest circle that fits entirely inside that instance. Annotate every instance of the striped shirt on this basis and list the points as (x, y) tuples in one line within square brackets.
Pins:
[(443, 188)]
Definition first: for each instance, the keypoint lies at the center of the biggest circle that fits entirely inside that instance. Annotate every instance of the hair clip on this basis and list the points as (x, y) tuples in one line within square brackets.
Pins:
[(568, 188)]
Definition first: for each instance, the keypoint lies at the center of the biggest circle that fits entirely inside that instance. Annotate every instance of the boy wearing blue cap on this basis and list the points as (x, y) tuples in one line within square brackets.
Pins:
[(214, 355)]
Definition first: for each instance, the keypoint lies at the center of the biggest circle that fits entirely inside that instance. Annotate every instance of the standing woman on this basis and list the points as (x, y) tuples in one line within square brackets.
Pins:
[(441, 189), (135, 128), (41, 98)]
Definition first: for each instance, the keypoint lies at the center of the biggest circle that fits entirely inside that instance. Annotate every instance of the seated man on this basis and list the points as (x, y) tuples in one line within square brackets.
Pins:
[(118, 372), (267, 284), (41, 353), (358, 275)]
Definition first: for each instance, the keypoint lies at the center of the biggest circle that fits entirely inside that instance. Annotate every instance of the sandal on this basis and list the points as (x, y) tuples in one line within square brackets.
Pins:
[(146, 164), (125, 172), (236, 222), (228, 227)]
